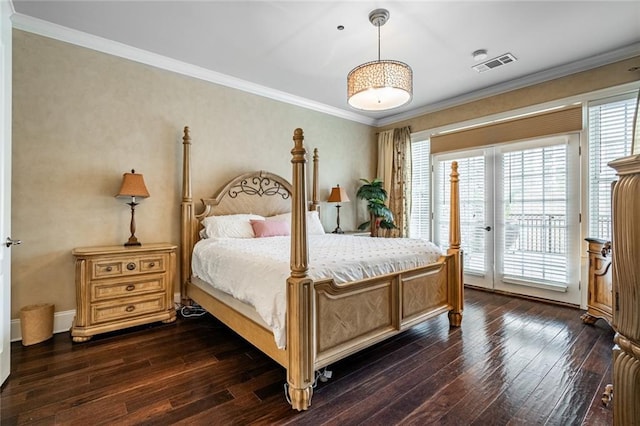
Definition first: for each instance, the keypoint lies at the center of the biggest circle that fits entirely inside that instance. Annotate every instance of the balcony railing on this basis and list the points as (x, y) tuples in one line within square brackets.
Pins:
[(536, 233)]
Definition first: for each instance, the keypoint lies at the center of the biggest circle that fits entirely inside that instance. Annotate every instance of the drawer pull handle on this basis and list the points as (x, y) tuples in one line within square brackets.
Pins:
[(131, 266), (152, 264), (109, 269), (131, 287), (130, 308)]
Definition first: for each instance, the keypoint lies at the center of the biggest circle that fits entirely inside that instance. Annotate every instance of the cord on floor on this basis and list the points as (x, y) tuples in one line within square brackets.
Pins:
[(322, 376), (190, 311)]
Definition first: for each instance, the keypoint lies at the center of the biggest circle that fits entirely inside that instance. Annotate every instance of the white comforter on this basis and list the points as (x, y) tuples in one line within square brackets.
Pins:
[(255, 270)]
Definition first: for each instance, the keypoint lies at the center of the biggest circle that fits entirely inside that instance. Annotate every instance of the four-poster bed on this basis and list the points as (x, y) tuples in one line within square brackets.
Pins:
[(326, 320)]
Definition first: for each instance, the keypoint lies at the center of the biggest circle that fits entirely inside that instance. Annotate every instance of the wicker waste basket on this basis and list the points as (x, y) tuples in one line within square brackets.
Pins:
[(36, 323)]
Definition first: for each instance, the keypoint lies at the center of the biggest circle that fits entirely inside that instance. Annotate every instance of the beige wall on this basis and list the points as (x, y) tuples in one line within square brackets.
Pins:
[(82, 118)]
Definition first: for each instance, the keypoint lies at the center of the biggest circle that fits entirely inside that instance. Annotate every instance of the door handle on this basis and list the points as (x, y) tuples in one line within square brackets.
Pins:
[(487, 228), (11, 242)]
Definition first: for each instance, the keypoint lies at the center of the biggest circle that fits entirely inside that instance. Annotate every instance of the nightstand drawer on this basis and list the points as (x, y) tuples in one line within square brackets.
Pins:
[(118, 310), (152, 264), (106, 268), (135, 286), (102, 269)]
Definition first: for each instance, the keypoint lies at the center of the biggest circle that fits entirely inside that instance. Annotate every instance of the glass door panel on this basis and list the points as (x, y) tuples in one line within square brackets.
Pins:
[(475, 209), (537, 218)]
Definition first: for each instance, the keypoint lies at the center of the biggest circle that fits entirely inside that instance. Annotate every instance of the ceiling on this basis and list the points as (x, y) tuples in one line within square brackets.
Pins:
[(293, 50)]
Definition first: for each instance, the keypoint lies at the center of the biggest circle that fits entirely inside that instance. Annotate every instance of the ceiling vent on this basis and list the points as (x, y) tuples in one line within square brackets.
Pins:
[(495, 62)]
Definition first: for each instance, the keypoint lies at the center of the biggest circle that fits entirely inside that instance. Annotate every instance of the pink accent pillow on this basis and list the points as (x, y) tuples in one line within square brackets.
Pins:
[(270, 228)]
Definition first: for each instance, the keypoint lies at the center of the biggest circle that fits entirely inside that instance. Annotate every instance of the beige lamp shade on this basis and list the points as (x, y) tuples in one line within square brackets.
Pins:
[(380, 85), (338, 195), (133, 186)]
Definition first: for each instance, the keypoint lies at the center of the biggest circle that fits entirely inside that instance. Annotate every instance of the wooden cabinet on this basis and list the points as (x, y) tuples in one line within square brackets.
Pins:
[(600, 295), (357, 233), (626, 291), (119, 287)]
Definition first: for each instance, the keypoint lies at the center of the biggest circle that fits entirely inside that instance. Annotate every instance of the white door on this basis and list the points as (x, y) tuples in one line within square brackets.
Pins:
[(519, 216), (476, 211), (5, 187)]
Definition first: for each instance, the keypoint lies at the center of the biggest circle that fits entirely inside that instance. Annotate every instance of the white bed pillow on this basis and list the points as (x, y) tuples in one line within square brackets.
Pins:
[(230, 226), (314, 226)]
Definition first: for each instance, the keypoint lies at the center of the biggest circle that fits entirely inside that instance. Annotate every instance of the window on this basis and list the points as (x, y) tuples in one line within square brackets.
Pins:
[(420, 190), (610, 135)]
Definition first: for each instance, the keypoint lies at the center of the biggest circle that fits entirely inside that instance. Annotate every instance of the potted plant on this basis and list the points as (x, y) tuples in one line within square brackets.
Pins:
[(380, 215)]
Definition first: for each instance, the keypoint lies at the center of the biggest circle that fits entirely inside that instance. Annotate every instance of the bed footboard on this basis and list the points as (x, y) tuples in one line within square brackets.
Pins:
[(327, 321), (352, 316)]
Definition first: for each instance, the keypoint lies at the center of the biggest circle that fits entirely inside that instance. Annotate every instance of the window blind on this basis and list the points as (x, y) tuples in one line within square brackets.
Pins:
[(610, 136), (420, 224), (549, 123)]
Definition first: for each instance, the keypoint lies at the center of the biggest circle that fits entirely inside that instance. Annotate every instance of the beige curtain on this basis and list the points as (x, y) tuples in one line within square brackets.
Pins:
[(394, 168), (385, 158), (400, 191)]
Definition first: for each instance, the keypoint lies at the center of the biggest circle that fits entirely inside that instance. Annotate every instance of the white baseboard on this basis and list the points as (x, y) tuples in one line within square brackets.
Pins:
[(61, 323)]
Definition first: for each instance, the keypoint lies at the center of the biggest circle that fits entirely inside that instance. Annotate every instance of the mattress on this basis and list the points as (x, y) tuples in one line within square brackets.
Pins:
[(255, 270)]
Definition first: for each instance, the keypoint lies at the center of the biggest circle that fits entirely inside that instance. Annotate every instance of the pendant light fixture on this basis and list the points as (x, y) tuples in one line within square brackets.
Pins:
[(382, 84)]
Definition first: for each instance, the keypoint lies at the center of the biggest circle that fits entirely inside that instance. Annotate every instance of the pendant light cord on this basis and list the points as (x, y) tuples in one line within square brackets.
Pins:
[(378, 41)]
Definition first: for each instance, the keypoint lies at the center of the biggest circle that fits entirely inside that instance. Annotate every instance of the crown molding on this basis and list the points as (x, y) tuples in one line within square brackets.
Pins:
[(79, 38)]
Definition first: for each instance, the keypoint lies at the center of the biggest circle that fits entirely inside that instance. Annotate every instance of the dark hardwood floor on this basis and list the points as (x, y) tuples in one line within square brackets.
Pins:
[(513, 361)]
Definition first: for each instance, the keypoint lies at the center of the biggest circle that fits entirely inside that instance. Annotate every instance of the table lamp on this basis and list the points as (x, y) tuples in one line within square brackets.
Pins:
[(133, 186), (338, 195)]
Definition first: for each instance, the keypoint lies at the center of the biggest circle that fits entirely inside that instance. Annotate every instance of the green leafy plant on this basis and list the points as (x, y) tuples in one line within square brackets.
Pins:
[(375, 195)]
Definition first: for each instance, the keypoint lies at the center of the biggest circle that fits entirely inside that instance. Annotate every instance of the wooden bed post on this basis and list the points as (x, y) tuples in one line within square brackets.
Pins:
[(314, 193), (300, 330), (455, 314), (187, 214)]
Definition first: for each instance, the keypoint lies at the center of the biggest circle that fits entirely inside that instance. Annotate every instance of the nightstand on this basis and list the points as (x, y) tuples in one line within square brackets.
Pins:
[(358, 233), (600, 295), (119, 287)]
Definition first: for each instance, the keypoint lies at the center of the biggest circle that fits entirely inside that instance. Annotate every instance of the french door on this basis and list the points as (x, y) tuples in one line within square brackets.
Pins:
[(519, 216)]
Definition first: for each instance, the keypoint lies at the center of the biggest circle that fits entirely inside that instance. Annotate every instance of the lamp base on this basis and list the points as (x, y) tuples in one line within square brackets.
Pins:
[(338, 230), (133, 241)]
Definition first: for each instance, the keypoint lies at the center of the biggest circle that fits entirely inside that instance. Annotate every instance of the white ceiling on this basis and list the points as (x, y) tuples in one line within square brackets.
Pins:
[(293, 51)]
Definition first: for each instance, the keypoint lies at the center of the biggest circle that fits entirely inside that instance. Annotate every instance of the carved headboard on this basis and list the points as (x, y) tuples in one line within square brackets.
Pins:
[(262, 193)]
